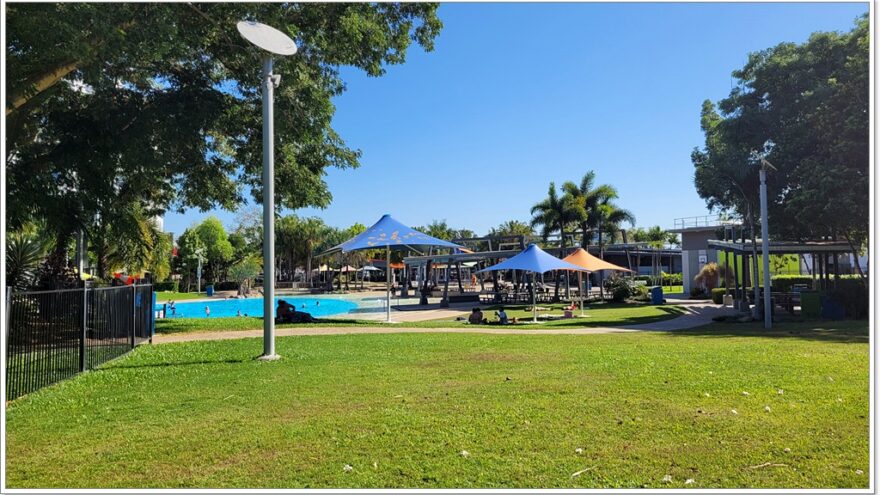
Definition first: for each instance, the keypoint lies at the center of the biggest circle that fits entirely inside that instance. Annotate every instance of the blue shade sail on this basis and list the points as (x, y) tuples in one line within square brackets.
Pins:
[(389, 232), (534, 259)]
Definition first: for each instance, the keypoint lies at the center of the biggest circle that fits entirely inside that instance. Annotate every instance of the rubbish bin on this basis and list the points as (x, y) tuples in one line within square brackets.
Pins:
[(656, 295), (209, 290), (810, 304)]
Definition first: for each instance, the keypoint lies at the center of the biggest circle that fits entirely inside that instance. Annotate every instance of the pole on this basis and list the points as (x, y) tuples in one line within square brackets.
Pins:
[(534, 304), (388, 284), (133, 313), (268, 214), (82, 337), (581, 290), (765, 250)]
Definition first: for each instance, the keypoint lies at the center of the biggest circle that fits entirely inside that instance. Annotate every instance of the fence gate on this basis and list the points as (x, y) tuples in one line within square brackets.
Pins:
[(53, 335)]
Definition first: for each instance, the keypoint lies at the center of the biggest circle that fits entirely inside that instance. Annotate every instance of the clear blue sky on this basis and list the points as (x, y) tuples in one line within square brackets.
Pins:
[(517, 95)]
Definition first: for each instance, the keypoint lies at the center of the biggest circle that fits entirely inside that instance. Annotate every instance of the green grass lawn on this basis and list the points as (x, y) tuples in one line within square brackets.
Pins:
[(401, 409), (169, 295), (598, 315)]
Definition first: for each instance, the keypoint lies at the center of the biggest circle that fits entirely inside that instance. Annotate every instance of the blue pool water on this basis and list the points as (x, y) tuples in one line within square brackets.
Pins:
[(254, 307)]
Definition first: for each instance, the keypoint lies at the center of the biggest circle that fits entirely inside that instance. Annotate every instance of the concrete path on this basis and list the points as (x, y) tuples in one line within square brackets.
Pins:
[(696, 314)]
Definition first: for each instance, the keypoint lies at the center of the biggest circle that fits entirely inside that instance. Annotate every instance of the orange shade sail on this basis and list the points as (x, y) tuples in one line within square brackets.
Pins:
[(586, 260)]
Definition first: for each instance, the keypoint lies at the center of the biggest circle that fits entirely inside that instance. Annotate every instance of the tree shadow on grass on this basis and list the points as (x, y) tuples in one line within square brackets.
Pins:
[(845, 331), (194, 362)]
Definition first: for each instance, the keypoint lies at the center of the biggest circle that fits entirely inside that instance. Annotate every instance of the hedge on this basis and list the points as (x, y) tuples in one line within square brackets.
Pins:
[(785, 283), (718, 295)]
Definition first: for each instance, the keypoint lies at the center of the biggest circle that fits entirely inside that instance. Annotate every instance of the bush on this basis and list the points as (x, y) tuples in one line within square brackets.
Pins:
[(640, 293), (672, 278), (228, 285), (784, 283), (853, 295), (698, 292), (619, 287), (172, 285), (718, 295)]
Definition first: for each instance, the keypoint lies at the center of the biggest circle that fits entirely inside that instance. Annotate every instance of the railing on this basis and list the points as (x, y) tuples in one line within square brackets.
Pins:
[(705, 221), (53, 335)]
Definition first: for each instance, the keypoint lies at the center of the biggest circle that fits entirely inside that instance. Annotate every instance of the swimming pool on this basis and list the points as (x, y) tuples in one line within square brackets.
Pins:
[(254, 307)]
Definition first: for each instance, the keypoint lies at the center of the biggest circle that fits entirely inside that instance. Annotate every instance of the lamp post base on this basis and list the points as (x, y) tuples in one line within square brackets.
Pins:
[(269, 357)]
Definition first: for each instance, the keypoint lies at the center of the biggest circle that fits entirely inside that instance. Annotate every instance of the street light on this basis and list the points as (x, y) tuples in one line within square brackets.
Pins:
[(274, 42), (765, 243)]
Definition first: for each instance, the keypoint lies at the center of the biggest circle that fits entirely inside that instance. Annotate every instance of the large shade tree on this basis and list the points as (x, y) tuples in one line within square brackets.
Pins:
[(805, 108), (159, 103)]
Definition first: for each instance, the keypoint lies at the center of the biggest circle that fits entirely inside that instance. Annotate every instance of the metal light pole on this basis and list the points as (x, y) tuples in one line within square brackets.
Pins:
[(273, 41), (765, 244)]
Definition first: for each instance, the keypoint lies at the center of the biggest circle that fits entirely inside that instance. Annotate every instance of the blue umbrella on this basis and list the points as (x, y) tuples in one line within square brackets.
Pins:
[(388, 232), (534, 260)]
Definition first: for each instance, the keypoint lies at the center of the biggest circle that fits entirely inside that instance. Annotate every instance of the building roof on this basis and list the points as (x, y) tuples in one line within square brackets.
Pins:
[(783, 247)]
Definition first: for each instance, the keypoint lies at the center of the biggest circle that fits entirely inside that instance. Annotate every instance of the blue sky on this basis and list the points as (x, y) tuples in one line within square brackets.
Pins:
[(517, 95)]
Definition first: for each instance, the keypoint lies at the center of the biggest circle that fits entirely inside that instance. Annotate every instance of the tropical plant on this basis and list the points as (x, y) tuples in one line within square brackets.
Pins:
[(245, 271), (555, 214), (24, 254)]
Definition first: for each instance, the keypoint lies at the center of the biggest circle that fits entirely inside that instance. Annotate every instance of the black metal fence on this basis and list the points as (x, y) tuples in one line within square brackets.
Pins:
[(53, 335)]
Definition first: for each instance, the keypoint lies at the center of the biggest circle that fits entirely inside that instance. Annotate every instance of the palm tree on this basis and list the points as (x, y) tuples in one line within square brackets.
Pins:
[(312, 231), (554, 214), (588, 198), (24, 253), (287, 241)]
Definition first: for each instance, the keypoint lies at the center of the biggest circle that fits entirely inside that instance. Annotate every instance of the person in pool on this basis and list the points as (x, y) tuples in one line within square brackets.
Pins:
[(207, 311)]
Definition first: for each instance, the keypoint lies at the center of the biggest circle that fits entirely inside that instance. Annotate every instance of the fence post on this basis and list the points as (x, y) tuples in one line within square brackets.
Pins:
[(133, 313), (85, 323), (8, 318), (153, 312)]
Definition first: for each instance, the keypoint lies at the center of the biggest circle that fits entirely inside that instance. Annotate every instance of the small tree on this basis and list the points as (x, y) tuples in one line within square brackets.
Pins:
[(244, 272)]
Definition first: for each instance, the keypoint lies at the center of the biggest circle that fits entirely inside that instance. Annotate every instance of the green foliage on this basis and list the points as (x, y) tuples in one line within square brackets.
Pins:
[(512, 227), (595, 209), (153, 104), (655, 237), (245, 271), (805, 107), (620, 288), (24, 254), (853, 295), (218, 250), (718, 295)]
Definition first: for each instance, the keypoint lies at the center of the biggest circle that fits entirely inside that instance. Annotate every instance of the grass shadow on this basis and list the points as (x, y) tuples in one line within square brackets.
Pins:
[(846, 331)]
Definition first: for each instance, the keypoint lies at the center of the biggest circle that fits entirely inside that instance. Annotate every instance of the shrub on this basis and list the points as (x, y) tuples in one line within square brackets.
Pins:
[(172, 285), (698, 292), (718, 295), (853, 295), (227, 285), (619, 287), (672, 278), (784, 283), (640, 293)]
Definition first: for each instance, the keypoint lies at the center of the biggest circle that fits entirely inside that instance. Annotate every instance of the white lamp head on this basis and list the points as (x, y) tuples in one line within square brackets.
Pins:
[(267, 38)]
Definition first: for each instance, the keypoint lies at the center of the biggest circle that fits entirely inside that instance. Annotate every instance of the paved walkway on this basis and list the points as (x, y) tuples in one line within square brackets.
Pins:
[(697, 313)]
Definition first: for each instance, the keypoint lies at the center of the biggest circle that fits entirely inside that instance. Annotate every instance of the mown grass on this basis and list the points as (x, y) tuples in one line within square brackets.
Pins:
[(598, 315), (401, 408), (168, 295)]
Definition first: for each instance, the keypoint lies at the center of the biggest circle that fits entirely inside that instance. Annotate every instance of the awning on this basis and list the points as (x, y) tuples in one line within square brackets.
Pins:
[(591, 263)]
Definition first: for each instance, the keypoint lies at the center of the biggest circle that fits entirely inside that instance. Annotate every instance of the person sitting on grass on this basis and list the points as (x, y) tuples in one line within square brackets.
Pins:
[(476, 317), (502, 316), (287, 313)]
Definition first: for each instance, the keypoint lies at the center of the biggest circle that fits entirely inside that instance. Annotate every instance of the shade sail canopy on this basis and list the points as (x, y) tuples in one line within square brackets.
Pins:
[(389, 232), (370, 269), (347, 268), (591, 263), (534, 259)]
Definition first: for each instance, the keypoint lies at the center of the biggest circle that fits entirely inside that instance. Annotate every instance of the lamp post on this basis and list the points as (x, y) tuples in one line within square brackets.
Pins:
[(765, 243), (274, 42)]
